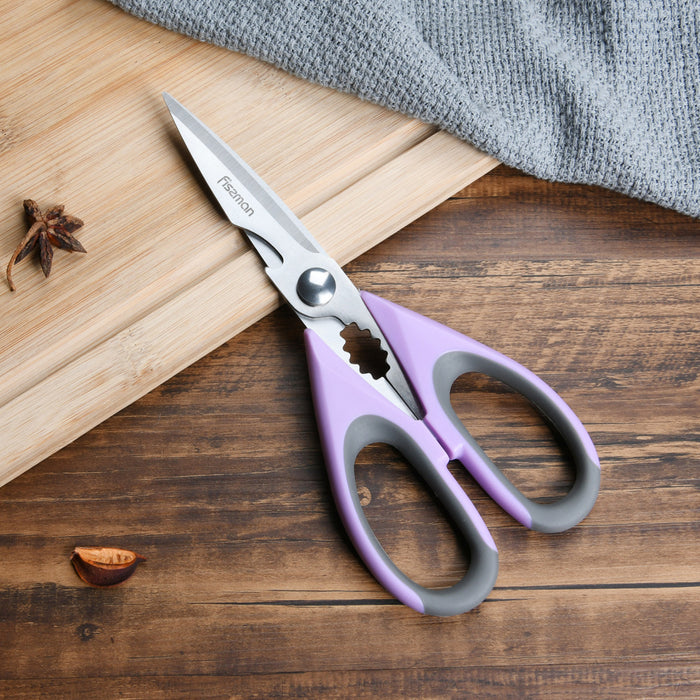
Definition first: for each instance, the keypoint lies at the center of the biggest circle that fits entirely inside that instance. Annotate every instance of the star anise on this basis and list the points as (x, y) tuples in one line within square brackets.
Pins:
[(45, 230)]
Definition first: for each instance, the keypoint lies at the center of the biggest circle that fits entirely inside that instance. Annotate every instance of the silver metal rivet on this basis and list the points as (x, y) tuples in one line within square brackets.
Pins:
[(316, 286)]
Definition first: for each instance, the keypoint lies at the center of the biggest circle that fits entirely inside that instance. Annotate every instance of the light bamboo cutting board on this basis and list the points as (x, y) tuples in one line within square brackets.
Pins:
[(165, 279)]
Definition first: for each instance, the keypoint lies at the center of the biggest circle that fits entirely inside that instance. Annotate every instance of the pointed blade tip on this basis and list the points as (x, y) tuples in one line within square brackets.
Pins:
[(172, 104)]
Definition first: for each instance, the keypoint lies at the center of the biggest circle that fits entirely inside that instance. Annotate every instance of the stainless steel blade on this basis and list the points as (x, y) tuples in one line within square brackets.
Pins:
[(292, 256)]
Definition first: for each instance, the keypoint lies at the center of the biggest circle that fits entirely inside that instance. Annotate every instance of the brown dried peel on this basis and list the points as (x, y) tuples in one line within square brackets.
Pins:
[(104, 566)]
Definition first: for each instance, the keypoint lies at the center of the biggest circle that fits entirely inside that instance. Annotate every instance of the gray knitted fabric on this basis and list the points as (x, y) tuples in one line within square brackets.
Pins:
[(603, 92)]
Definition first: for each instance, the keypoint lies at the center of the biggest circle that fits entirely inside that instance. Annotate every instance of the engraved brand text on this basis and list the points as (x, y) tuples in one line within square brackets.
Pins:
[(235, 195)]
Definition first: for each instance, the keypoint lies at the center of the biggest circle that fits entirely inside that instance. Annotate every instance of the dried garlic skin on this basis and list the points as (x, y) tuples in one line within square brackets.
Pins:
[(104, 566)]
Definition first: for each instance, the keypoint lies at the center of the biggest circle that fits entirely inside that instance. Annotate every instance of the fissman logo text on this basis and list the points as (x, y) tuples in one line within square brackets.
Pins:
[(235, 195)]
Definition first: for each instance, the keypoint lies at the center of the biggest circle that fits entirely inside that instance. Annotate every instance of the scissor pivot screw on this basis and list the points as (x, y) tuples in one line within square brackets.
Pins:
[(316, 286)]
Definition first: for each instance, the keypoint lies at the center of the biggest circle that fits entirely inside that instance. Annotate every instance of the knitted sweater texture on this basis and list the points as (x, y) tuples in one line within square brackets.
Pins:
[(603, 92)]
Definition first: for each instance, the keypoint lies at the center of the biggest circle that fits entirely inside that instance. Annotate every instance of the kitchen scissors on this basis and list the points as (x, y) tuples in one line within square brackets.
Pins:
[(409, 407)]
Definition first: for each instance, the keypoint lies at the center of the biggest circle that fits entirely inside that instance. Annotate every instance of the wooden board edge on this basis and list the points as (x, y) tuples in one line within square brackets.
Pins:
[(141, 356)]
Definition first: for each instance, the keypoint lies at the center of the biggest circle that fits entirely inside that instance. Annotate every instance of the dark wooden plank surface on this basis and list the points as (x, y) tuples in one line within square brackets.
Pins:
[(251, 589)]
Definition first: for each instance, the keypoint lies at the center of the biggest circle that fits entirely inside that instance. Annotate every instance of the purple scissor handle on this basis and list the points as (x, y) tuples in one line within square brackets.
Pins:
[(351, 416), (409, 407), (434, 356)]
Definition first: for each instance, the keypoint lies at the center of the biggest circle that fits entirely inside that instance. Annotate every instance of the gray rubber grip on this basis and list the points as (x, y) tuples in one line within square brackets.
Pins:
[(483, 567), (545, 517)]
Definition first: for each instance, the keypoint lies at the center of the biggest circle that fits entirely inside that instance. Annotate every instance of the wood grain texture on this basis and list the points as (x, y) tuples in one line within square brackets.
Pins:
[(251, 589), (166, 279)]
